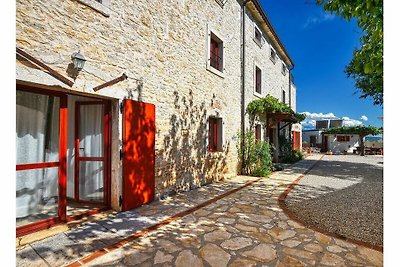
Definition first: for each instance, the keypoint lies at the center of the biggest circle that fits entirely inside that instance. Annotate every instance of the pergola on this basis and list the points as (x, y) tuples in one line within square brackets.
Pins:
[(276, 118)]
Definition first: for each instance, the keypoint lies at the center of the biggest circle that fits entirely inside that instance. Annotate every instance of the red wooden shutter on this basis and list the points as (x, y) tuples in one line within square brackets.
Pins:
[(138, 139), (213, 135)]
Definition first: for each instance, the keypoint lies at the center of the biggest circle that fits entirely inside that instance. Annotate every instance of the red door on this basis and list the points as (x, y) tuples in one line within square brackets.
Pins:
[(138, 140), (91, 128)]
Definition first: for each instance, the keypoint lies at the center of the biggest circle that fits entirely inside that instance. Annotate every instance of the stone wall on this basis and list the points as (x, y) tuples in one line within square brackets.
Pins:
[(273, 81), (162, 47)]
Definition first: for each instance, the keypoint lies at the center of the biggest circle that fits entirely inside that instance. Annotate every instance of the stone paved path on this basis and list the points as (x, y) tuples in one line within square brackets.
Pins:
[(245, 228)]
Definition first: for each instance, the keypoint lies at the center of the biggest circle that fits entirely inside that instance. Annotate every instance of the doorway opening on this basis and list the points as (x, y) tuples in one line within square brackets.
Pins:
[(63, 162)]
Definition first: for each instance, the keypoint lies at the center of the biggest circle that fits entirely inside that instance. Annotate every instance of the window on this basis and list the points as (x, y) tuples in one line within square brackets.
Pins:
[(257, 36), (258, 80), (214, 134), (258, 132), (216, 53), (343, 138), (284, 69), (283, 96), (272, 55)]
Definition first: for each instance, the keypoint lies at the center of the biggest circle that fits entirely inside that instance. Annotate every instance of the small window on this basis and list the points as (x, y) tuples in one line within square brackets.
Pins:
[(343, 138), (215, 134), (258, 132), (258, 80), (257, 36), (284, 69), (216, 53), (272, 55), (283, 96)]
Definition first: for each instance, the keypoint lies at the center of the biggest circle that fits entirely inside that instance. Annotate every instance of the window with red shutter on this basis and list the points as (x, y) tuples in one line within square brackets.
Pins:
[(214, 134), (258, 80), (216, 53)]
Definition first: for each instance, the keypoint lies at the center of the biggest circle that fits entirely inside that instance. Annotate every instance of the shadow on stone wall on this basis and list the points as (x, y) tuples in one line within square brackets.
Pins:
[(183, 161)]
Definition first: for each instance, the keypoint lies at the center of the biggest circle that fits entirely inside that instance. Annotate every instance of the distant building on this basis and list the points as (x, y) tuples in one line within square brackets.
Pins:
[(337, 143)]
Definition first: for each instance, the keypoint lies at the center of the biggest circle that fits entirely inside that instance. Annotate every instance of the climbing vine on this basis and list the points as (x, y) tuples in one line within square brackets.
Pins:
[(259, 107)]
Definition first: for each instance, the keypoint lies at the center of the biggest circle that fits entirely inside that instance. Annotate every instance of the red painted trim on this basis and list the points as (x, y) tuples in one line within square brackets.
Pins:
[(91, 158), (87, 213), (76, 160), (62, 170), (51, 222), (37, 226), (31, 166), (104, 158)]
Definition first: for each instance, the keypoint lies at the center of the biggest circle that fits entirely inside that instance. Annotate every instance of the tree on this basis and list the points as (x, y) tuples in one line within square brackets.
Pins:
[(366, 66), (361, 130)]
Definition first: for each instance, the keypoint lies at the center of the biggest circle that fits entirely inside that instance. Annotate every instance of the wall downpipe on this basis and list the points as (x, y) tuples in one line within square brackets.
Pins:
[(243, 18)]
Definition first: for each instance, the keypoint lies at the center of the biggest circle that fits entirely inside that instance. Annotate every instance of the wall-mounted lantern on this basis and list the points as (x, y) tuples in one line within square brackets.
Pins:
[(78, 60)]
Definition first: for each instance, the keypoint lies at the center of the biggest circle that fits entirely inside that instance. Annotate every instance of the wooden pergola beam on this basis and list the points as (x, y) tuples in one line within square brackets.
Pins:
[(114, 81), (51, 71)]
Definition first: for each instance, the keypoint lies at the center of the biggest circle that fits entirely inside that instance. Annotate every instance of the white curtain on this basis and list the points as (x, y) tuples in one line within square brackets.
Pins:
[(37, 136), (91, 128)]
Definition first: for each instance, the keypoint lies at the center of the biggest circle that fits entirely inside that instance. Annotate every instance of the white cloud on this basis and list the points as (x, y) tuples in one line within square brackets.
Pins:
[(364, 118), (350, 122), (311, 118), (318, 19), (319, 116)]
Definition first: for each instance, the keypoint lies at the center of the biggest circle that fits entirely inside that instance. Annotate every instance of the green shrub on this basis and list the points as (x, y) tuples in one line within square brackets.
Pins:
[(293, 157), (257, 156)]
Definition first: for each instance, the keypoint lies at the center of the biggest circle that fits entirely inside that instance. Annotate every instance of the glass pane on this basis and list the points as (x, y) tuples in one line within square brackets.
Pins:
[(91, 130), (37, 195), (37, 128), (91, 181)]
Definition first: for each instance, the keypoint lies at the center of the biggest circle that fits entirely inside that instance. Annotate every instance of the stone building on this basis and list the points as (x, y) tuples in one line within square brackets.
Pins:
[(156, 108)]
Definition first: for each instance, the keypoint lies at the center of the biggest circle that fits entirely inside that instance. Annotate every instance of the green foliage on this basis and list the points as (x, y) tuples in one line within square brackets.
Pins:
[(257, 156), (366, 66), (285, 146), (361, 130), (260, 106), (293, 157)]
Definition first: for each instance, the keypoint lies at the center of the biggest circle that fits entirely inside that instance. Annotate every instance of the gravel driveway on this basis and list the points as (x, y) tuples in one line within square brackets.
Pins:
[(342, 194)]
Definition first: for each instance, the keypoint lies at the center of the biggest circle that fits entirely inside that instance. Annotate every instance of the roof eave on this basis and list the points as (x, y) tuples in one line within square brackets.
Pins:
[(272, 33)]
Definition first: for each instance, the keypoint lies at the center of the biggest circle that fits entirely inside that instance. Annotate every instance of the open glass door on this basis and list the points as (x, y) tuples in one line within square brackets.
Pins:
[(90, 160)]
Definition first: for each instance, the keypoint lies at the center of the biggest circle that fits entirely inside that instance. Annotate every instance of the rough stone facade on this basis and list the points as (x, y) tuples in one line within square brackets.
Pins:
[(163, 49)]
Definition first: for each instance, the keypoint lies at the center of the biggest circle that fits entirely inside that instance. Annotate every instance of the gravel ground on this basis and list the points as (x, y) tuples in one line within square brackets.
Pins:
[(342, 194)]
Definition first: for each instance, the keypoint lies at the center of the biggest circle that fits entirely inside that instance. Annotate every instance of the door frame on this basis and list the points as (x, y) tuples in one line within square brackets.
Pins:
[(104, 158), (62, 162)]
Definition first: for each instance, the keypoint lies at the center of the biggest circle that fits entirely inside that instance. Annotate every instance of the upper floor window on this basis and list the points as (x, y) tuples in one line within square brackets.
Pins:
[(214, 134), (216, 53), (258, 132), (272, 55), (257, 36), (283, 96), (284, 69), (258, 80)]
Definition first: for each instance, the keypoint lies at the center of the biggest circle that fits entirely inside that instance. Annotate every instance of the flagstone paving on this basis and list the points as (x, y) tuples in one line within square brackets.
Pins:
[(245, 228)]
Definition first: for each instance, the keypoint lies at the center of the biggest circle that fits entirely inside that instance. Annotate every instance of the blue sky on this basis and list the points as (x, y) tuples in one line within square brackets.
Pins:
[(321, 45)]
